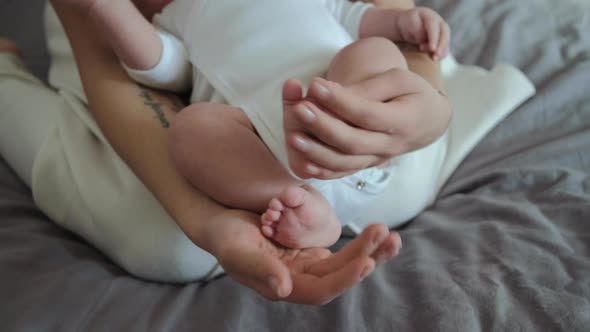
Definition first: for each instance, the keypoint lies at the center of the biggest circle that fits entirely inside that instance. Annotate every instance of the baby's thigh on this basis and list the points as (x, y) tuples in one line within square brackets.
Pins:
[(209, 124), (365, 58), (206, 116)]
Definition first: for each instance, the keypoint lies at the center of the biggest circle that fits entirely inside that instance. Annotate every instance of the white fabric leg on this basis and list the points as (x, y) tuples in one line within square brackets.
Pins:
[(25, 122), (79, 181)]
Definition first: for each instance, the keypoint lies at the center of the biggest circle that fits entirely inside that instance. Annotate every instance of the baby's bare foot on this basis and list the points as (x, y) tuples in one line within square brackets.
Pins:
[(8, 46), (300, 217)]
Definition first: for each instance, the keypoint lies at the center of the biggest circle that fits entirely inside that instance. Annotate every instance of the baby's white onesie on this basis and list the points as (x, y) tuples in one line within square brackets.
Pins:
[(241, 52)]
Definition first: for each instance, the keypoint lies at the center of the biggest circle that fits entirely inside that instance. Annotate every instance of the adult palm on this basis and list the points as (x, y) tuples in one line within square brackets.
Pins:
[(310, 276)]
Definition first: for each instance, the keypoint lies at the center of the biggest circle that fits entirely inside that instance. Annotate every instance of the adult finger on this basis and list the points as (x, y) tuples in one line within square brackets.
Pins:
[(263, 272), (388, 248), (339, 100), (310, 289), (311, 170), (364, 245), (340, 135), (326, 157), (353, 107), (326, 174), (327, 278)]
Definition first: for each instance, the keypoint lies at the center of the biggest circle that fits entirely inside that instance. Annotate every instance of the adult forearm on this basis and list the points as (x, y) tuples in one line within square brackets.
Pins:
[(131, 36), (134, 120)]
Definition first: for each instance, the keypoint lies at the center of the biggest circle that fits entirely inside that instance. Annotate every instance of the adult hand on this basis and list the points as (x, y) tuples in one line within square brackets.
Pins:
[(308, 276), (367, 124)]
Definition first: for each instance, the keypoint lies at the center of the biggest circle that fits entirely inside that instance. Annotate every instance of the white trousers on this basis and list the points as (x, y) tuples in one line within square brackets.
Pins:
[(79, 181)]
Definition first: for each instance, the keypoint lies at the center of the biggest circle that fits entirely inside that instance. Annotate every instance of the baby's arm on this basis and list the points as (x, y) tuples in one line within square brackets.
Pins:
[(151, 57), (133, 38), (420, 26)]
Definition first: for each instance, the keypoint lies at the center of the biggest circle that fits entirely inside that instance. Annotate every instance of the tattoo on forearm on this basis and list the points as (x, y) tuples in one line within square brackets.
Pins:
[(156, 107)]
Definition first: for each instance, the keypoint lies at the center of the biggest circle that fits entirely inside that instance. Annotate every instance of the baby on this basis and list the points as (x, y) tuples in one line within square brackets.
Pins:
[(248, 64)]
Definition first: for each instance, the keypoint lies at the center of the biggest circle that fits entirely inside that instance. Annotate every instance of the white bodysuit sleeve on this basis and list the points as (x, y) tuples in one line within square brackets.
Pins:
[(349, 14), (172, 73)]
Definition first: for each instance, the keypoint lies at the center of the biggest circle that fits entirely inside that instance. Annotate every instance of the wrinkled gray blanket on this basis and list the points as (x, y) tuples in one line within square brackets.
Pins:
[(505, 248)]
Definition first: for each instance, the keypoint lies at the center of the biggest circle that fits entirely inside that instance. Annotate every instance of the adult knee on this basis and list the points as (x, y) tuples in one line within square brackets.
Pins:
[(167, 256)]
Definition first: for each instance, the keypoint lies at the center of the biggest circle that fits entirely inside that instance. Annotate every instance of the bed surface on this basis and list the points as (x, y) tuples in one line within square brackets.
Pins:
[(505, 248)]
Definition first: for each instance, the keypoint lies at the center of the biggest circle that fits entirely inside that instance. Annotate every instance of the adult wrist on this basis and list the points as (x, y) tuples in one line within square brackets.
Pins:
[(192, 223)]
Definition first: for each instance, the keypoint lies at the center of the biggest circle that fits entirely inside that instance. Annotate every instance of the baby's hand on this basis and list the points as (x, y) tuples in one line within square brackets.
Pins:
[(427, 29)]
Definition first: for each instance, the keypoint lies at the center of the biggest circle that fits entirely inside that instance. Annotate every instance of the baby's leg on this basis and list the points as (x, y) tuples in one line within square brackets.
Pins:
[(365, 59), (216, 148)]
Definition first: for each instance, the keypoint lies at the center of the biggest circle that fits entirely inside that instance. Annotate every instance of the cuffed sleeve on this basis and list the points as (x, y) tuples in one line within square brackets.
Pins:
[(172, 73), (349, 14)]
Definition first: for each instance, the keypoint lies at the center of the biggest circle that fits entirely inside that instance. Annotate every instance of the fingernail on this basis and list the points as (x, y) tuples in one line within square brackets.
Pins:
[(366, 271), (301, 143), (312, 169), (274, 285), (322, 90), (306, 114), (378, 238)]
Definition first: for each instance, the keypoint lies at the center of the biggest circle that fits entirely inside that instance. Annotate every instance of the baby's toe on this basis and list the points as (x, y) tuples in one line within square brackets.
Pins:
[(275, 205), (267, 219), (270, 216), (293, 196), (267, 231)]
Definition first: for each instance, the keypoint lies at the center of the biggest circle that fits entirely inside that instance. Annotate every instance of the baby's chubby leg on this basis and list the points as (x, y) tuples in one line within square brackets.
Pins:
[(216, 148), (364, 60), (365, 68)]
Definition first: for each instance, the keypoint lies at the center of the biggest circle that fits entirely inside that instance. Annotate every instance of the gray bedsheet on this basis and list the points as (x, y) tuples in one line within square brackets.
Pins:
[(505, 248)]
